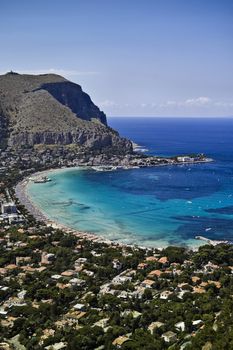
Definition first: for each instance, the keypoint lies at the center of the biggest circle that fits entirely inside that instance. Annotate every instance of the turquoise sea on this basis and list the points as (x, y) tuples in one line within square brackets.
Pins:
[(152, 206)]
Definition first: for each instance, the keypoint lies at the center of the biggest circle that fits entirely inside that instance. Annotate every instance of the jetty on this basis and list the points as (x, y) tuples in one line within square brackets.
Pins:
[(211, 241)]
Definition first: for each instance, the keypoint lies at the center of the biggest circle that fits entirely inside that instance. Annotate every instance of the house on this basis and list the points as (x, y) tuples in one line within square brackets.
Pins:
[(204, 284), (163, 260), (28, 269), (119, 341), (183, 286), (103, 323), (41, 268), (138, 293), (169, 337), (47, 258), (151, 259), (11, 267), (56, 346), (142, 266), (180, 326), (68, 273), (210, 267), (56, 277), (80, 261), (21, 294), (197, 323), (88, 273), (155, 325), (22, 259), (165, 294), (3, 313), (48, 332), (79, 307), (117, 264), (14, 301), (74, 316), (77, 282), (120, 279), (155, 273), (21, 230), (3, 271), (147, 283), (63, 285), (198, 290), (94, 253), (216, 283), (195, 279)]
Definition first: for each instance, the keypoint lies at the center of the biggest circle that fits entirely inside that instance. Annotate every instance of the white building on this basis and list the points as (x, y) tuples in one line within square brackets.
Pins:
[(8, 208), (169, 337)]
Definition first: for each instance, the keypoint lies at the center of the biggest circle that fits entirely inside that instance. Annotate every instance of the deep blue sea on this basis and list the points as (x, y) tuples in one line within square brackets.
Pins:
[(152, 206)]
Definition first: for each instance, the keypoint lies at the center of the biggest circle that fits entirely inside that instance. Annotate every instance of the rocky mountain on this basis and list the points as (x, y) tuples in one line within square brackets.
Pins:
[(48, 109)]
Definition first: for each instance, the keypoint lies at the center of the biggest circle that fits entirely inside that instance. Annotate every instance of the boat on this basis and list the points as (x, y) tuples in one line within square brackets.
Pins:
[(42, 180)]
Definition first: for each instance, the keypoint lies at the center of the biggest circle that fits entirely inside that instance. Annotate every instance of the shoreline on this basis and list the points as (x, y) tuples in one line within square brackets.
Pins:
[(25, 199)]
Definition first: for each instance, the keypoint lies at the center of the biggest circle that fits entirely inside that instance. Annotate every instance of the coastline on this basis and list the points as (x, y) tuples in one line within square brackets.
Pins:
[(25, 199)]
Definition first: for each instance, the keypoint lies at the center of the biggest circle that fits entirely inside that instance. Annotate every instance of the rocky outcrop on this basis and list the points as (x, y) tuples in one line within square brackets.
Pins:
[(90, 140), (48, 109)]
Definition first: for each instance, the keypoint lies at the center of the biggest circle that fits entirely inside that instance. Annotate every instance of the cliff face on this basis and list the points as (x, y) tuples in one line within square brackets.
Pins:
[(92, 139), (48, 109), (71, 95)]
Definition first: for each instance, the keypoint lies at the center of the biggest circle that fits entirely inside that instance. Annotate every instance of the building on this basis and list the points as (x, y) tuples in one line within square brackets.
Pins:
[(142, 266), (80, 307), (8, 208), (47, 258), (56, 346), (185, 159), (154, 325), (118, 342), (151, 259), (180, 326), (155, 273), (22, 260), (169, 337), (165, 294), (117, 264), (147, 283), (163, 260)]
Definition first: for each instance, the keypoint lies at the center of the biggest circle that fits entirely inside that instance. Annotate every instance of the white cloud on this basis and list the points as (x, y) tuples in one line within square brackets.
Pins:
[(190, 102), (107, 104), (199, 101), (223, 104), (202, 104)]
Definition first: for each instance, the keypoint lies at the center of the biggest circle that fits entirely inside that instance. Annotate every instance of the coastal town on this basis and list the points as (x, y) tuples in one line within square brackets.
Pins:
[(65, 289), (116, 175)]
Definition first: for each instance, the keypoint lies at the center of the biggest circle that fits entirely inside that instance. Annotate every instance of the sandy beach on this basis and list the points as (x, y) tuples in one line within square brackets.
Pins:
[(21, 192), (24, 198)]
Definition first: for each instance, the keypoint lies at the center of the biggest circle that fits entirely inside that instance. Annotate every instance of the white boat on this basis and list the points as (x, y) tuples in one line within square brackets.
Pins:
[(42, 180)]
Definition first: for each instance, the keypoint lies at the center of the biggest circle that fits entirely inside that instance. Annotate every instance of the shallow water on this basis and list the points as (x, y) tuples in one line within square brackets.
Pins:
[(153, 206)]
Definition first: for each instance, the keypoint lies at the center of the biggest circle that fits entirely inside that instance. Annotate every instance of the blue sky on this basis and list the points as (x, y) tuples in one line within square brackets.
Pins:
[(134, 57)]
